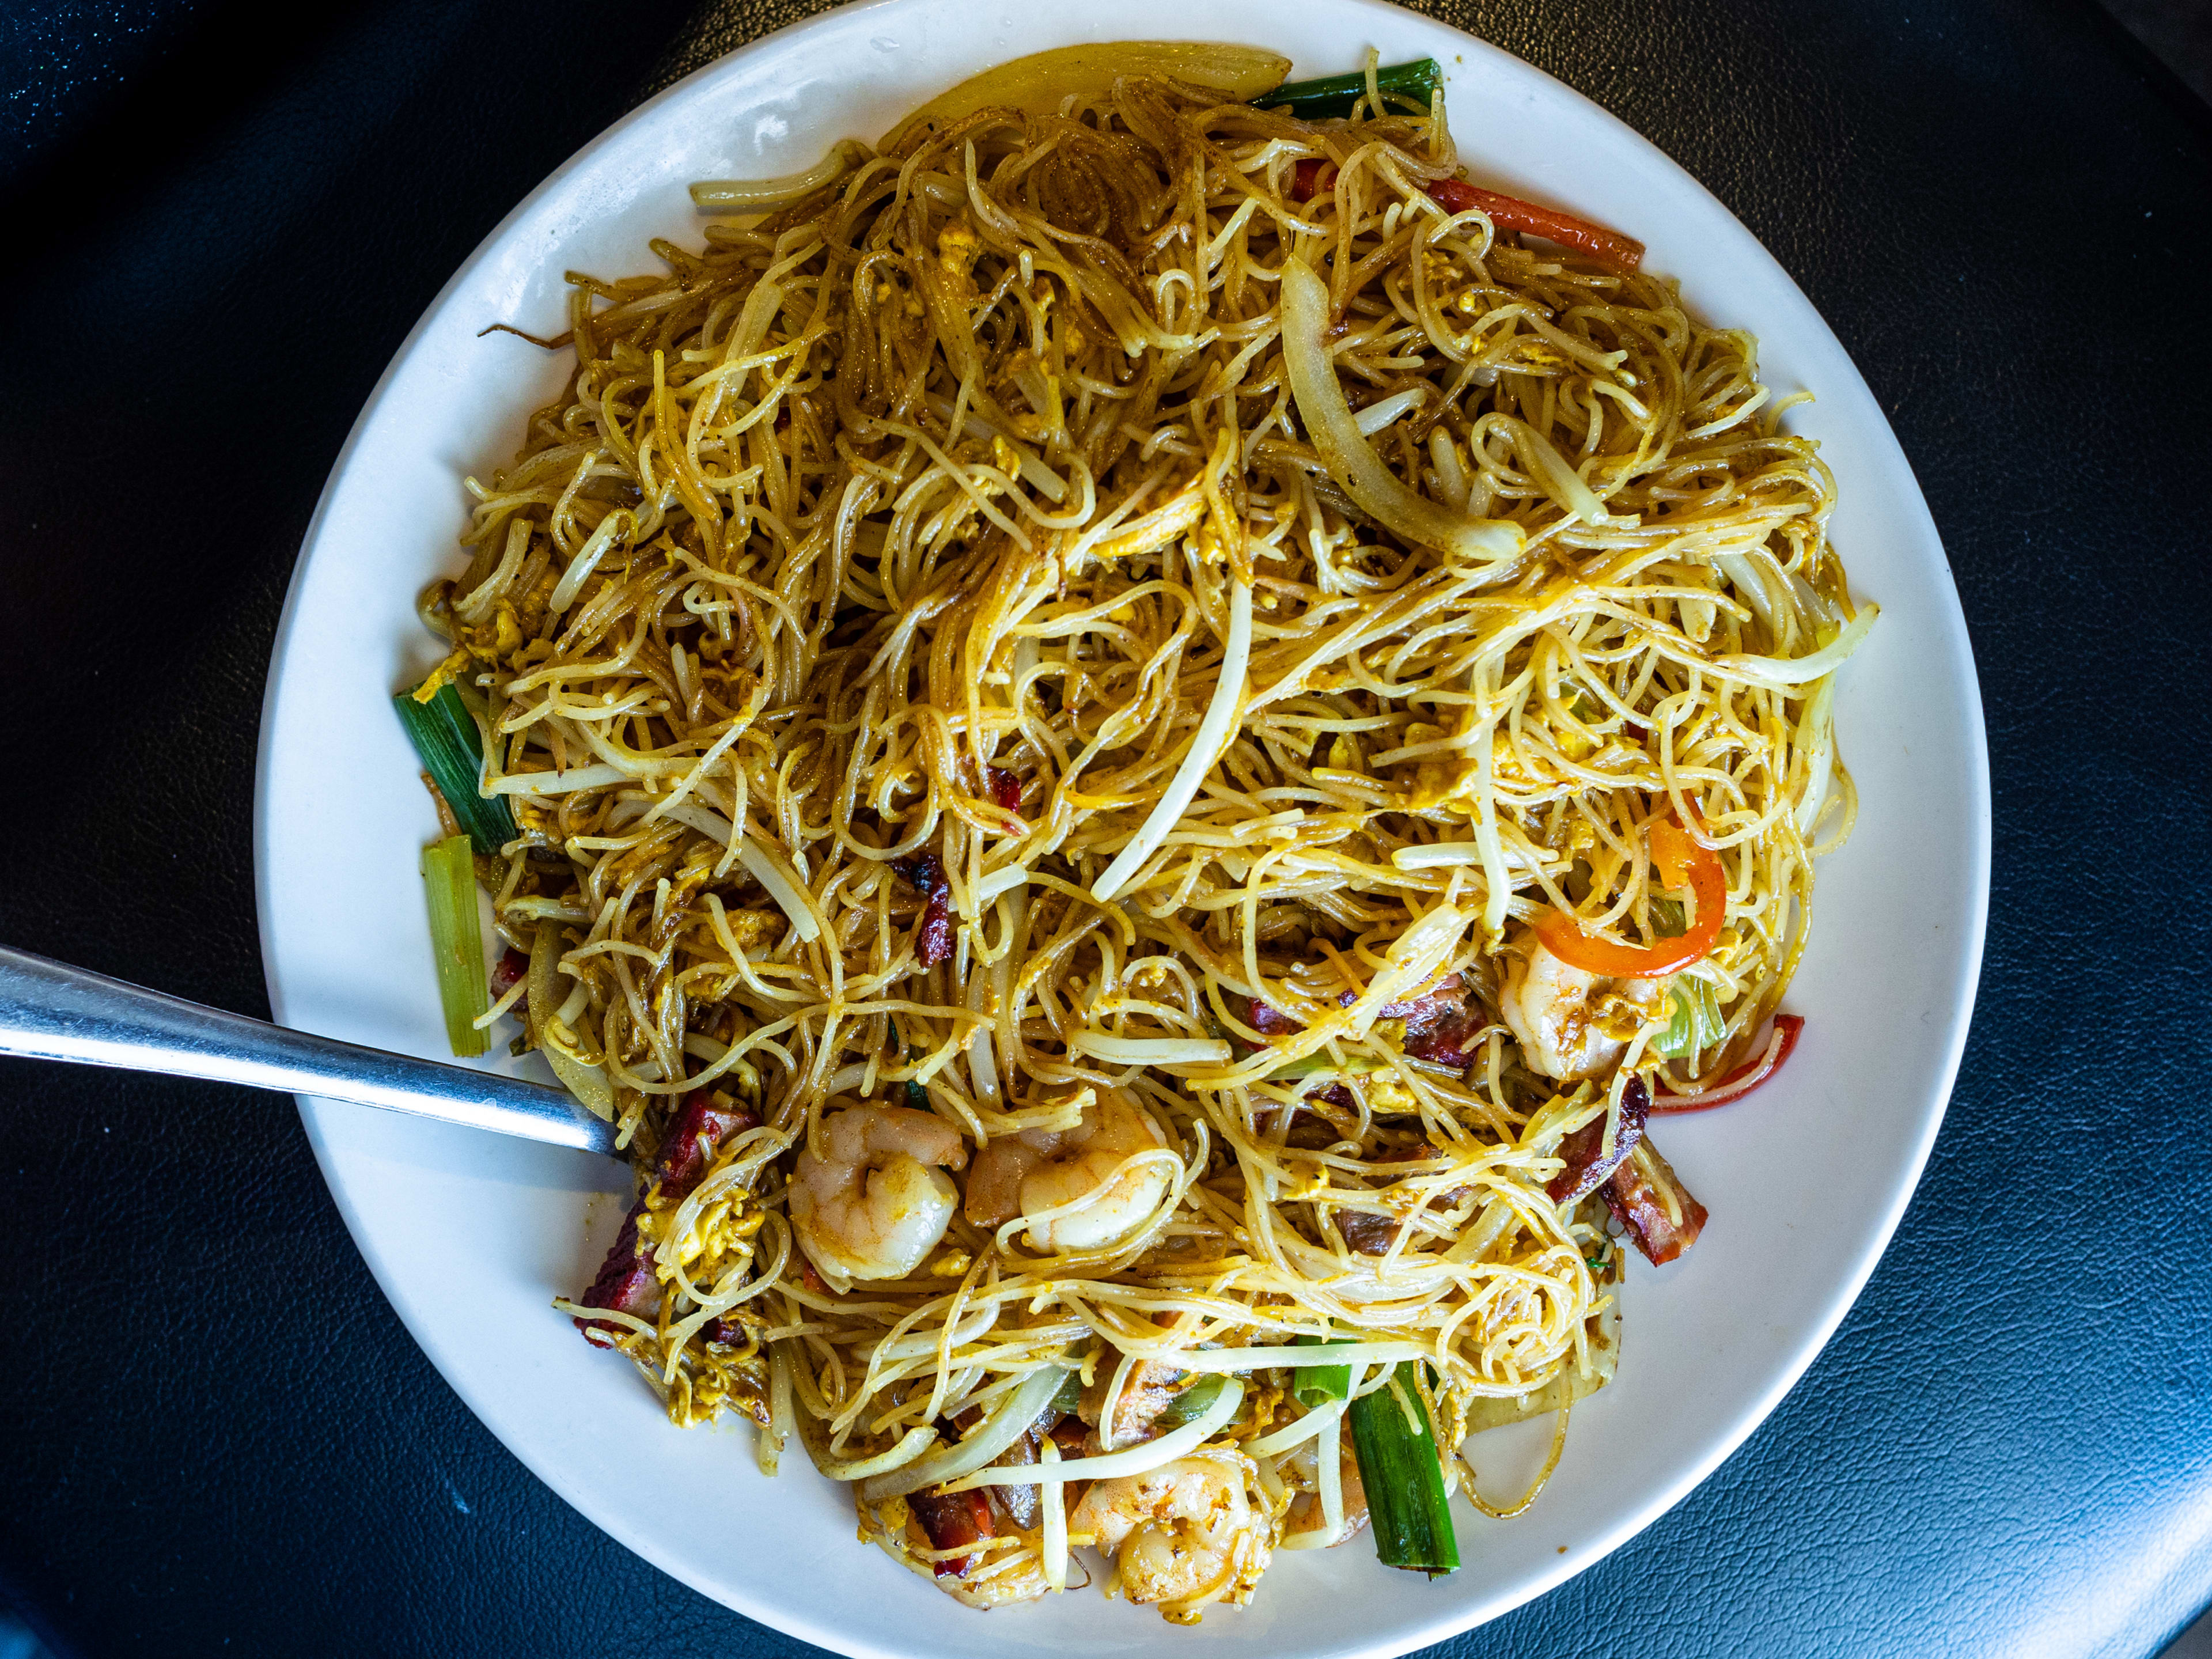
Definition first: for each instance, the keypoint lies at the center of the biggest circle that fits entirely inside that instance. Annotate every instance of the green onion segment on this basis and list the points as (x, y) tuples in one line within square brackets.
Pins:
[(1334, 94), (1404, 1477), (444, 735), (449, 879), (1316, 1385)]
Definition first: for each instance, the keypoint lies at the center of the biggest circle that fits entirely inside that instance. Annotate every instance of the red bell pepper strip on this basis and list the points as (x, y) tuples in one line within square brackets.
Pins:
[(1680, 861), (1511, 213), (1747, 1076)]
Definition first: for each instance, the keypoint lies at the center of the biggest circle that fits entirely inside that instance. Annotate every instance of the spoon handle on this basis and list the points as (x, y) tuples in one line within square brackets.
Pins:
[(51, 1010)]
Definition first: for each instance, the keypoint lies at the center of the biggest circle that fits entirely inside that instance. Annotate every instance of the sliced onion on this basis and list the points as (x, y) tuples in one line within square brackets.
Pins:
[(1820, 719), (1350, 459), (1055, 1517), (1333, 1353), (587, 1083), (1151, 1051), (1414, 959), (1436, 855), (1116, 1466), (1817, 606), (1212, 735), (916, 1345), (1449, 473), (1319, 1418), (1329, 1457), (911, 1445), (1008, 1421), (769, 1449), (1798, 670), (597, 776), (982, 1062), (741, 195), (1748, 578), (1450, 854)]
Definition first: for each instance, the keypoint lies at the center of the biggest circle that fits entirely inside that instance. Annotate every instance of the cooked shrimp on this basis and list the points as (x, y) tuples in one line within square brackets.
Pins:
[(1041, 1171), (1184, 1535), (880, 1199), (1570, 1023)]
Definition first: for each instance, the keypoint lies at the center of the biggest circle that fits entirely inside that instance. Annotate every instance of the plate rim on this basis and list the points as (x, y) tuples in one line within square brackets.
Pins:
[(1403, 1637)]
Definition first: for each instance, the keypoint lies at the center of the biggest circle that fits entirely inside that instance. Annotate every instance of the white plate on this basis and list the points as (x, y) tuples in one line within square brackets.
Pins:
[(471, 1237)]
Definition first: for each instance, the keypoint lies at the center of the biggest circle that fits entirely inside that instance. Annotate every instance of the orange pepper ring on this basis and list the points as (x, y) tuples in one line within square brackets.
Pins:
[(1680, 860)]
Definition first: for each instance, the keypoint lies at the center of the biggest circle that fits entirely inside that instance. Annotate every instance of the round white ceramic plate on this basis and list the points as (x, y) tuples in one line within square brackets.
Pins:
[(472, 1237)]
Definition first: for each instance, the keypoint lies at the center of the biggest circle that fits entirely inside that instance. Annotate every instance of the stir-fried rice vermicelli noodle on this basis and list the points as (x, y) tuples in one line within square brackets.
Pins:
[(1060, 685)]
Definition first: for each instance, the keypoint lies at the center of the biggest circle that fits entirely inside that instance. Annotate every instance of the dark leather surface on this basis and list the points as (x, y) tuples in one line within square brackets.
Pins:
[(222, 219)]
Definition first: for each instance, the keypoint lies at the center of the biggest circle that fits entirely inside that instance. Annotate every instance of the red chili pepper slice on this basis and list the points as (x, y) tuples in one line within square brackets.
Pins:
[(1512, 213)]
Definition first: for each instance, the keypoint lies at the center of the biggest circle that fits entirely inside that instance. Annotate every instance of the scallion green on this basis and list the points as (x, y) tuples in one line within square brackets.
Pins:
[(1316, 1385), (449, 878), (445, 736), (1415, 83), (1403, 1475)]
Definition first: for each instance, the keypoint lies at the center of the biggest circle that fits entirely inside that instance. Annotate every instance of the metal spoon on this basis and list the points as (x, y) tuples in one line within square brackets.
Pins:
[(51, 1010)]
